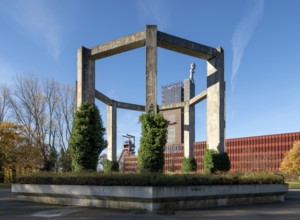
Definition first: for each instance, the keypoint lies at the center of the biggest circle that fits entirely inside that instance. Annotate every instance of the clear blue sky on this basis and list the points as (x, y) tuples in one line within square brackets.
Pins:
[(261, 40)]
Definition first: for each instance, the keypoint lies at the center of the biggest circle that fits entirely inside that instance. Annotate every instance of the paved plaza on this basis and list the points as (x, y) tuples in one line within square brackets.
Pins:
[(12, 208)]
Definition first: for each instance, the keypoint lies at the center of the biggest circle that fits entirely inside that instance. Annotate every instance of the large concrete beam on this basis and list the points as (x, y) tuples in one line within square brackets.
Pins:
[(151, 68), (112, 132), (120, 45), (171, 106), (198, 98), (215, 124), (130, 106), (103, 98), (85, 77), (184, 46)]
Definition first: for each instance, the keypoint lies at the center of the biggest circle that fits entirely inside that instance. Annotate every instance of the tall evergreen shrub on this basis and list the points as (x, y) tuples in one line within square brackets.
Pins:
[(86, 141), (152, 142)]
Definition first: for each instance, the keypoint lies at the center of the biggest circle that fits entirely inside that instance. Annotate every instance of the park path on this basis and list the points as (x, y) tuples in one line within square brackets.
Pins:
[(13, 209)]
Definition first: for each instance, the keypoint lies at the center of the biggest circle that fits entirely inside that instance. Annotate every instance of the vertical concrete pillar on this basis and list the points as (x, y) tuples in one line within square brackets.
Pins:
[(112, 131), (85, 77), (215, 123), (151, 67), (189, 119)]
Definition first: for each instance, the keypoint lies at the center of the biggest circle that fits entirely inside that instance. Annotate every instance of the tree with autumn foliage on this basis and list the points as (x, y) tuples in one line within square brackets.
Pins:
[(15, 150), (291, 161)]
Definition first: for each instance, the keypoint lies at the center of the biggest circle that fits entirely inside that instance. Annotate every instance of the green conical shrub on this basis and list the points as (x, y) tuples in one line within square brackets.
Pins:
[(86, 141), (152, 142)]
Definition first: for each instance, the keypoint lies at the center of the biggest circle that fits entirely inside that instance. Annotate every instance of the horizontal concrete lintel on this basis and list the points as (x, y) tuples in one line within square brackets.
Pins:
[(184, 46), (130, 106), (120, 45), (198, 98), (103, 98), (171, 106)]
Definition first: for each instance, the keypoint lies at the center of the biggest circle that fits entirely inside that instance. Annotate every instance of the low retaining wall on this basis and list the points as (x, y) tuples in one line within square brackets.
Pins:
[(151, 198)]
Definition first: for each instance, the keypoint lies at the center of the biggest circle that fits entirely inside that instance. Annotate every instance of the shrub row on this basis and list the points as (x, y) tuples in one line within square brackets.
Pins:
[(111, 166), (189, 165), (148, 179), (215, 161)]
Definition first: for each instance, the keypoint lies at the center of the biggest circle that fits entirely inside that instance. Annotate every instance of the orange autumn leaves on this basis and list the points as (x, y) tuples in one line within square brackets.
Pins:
[(291, 161), (16, 152)]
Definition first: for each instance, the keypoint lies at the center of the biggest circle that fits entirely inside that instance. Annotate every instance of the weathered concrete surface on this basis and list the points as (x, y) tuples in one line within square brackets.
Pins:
[(171, 106), (151, 38), (151, 68), (184, 46), (189, 130), (189, 89), (198, 98), (103, 98), (151, 198), (112, 132), (85, 76), (216, 103), (120, 45), (189, 119), (129, 106), (175, 118)]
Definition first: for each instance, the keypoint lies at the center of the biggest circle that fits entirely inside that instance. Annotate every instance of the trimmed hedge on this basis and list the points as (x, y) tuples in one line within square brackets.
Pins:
[(214, 161), (149, 179), (189, 165), (5, 185), (110, 166), (294, 185)]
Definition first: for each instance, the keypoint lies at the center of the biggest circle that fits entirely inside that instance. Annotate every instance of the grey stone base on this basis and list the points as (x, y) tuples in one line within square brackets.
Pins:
[(151, 198)]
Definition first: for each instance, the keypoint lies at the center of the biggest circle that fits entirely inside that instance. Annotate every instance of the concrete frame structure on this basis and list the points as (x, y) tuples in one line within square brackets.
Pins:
[(151, 38), (189, 119)]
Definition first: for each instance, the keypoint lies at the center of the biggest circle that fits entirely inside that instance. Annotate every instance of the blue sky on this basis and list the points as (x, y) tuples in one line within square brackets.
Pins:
[(260, 40)]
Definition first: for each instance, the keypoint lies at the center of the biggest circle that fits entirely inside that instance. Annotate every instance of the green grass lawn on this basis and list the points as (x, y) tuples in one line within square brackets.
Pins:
[(5, 185), (294, 185)]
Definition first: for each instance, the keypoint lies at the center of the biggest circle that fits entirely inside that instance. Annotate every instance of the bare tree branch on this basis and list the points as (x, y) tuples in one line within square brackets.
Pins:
[(65, 110), (45, 110), (4, 99)]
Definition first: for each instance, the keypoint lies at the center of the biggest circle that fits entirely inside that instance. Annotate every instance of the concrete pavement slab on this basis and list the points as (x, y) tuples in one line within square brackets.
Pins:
[(13, 209)]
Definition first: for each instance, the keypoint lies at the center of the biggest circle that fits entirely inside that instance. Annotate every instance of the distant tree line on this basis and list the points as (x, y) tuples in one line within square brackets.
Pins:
[(41, 114)]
